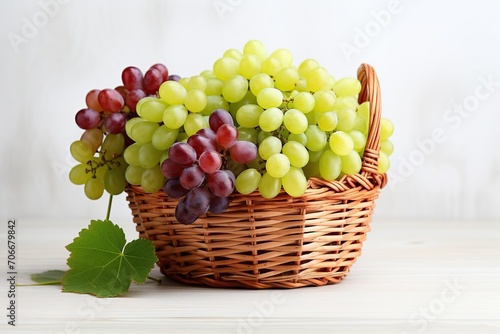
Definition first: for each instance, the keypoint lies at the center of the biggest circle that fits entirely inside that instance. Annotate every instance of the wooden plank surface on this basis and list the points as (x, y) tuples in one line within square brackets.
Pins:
[(413, 277)]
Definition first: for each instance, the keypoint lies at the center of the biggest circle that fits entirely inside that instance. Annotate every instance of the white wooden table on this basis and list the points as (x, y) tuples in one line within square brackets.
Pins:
[(413, 277)]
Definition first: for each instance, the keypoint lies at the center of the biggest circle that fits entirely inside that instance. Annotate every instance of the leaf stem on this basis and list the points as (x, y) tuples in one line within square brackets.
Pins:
[(157, 280), (110, 202)]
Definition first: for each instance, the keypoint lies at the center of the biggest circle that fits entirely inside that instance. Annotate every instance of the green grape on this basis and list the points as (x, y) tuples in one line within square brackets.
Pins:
[(131, 154), (346, 119), (164, 155), (225, 68), (295, 121), (248, 115), (152, 179), (113, 145), (142, 132), (328, 121), (215, 102), (184, 82), (316, 138), (249, 66), (346, 102), (358, 139), (302, 86), (361, 125), (175, 116), (197, 82), (284, 56), (207, 74), (317, 79), (79, 174), (324, 100), (81, 151), (151, 109), (269, 147), (195, 101), (131, 123), (233, 53), (304, 101), (341, 143), (270, 98), (347, 87), (269, 187), (247, 181), (214, 86), (248, 99), (286, 79), (138, 107), (312, 118), (311, 169), (93, 138), (133, 175), (259, 82), (194, 122), (296, 153), (294, 182), (314, 156), (299, 138), (172, 92), (263, 135), (363, 110), (148, 156), (114, 181), (330, 165), (306, 66), (278, 165), (100, 171), (163, 138), (122, 164), (182, 137), (235, 89), (271, 119), (94, 188), (386, 129), (248, 134), (383, 163), (351, 163), (256, 163), (271, 66), (387, 147), (255, 47)]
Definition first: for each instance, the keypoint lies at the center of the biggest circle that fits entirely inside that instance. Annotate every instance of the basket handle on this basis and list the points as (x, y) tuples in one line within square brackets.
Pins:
[(370, 91)]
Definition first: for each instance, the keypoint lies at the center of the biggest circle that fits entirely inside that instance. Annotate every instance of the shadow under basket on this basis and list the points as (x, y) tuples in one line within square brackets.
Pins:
[(284, 242)]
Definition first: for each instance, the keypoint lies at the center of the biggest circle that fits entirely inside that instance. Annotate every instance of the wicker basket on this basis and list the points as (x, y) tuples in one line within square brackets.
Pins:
[(283, 242)]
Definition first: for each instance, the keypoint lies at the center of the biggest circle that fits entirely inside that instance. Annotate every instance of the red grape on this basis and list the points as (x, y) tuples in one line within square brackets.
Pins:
[(243, 151), (133, 97), (174, 77), (183, 214), (115, 123), (227, 135), (92, 100), (218, 204), (201, 144), (192, 177), (88, 119), (152, 81), (208, 133), (220, 183), (132, 78), (210, 161), (111, 100), (182, 153), (163, 70), (171, 169), (198, 201), (174, 189), (218, 118)]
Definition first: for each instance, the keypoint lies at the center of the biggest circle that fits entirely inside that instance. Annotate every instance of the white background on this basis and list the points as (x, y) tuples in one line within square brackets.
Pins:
[(431, 57)]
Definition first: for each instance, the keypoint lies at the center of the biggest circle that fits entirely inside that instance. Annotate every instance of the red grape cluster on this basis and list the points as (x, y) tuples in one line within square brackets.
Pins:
[(196, 169), (108, 107)]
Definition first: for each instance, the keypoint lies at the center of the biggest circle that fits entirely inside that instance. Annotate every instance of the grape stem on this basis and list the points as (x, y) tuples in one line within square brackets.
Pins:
[(110, 202)]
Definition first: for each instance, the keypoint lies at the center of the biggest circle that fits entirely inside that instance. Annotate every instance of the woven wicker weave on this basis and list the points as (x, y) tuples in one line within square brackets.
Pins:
[(283, 242)]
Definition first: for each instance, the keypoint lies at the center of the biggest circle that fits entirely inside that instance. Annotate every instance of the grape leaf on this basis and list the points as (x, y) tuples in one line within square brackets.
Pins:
[(102, 264), (49, 277)]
